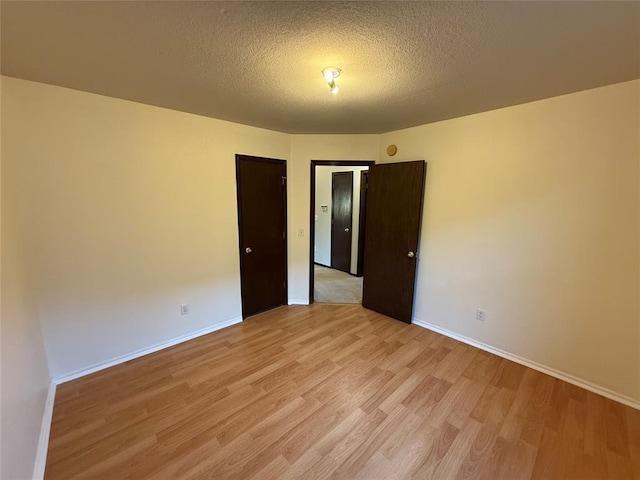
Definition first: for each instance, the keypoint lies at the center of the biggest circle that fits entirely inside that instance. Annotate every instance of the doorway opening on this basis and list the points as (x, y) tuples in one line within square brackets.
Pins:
[(338, 211)]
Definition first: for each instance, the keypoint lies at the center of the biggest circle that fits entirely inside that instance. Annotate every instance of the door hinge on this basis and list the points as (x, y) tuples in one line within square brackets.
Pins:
[(284, 179)]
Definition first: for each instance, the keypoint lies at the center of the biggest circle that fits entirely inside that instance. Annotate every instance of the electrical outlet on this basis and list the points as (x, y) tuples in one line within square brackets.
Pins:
[(184, 309), (481, 314)]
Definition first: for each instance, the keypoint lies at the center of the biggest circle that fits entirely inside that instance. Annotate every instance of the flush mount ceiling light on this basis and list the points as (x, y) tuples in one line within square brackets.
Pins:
[(330, 74)]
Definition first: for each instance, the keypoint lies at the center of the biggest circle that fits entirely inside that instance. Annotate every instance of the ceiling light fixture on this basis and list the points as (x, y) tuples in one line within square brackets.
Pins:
[(330, 74)]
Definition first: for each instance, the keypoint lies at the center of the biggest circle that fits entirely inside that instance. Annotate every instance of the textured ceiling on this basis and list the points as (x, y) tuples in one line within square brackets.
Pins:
[(259, 63)]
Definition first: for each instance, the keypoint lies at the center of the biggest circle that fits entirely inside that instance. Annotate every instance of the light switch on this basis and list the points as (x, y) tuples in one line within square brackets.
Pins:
[(301, 232)]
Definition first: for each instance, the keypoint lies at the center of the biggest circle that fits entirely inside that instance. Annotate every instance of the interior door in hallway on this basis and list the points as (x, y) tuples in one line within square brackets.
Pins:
[(262, 204), (341, 220), (394, 210)]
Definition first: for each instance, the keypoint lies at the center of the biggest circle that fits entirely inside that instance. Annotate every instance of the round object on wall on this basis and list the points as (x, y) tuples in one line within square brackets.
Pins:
[(392, 150)]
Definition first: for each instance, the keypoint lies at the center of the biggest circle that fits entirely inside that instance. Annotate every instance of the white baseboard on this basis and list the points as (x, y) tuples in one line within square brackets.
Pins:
[(45, 429), (145, 351), (605, 392), (298, 301)]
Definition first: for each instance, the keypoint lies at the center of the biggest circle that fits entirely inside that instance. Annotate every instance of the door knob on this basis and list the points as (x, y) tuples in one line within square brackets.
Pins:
[(411, 254), (248, 250), (346, 229)]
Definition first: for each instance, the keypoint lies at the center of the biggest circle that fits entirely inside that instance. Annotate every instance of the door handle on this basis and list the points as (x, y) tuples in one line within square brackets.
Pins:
[(346, 229), (411, 254), (248, 250)]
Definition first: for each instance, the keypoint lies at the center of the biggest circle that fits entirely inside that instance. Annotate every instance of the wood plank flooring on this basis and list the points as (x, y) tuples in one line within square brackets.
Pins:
[(335, 391)]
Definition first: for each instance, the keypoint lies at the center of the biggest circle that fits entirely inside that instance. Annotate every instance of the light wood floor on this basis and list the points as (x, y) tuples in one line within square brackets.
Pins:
[(334, 286), (335, 391)]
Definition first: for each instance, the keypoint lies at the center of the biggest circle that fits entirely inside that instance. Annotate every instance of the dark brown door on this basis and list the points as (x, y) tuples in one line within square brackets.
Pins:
[(394, 210), (262, 201), (341, 218), (362, 221)]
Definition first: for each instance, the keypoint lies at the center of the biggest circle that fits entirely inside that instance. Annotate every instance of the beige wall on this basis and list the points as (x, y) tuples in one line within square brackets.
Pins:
[(130, 211), (24, 371), (531, 212), (305, 148)]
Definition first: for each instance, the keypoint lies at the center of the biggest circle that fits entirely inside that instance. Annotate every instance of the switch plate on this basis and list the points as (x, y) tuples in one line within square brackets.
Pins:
[(301, 232), (184, 309)]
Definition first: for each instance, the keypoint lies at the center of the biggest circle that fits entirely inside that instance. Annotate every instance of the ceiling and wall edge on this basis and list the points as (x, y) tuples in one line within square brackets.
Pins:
[(379, 134)]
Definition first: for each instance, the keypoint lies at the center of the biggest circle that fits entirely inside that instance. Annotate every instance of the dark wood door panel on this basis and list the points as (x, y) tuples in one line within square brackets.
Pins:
[(341, 220), (394, 208), (262, 232), (362, 220)]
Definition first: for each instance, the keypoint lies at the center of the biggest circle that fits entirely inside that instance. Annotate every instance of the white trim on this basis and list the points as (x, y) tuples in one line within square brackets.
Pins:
[(45, 429), (145, 351), (298, 301), (592, 387)]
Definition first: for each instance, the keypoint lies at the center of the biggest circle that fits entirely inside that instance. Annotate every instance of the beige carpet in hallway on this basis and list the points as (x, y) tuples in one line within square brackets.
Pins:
[(334, 286)]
